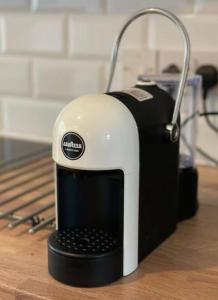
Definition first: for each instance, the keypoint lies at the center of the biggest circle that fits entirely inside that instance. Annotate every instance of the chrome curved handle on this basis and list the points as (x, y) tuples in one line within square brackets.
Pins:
[(172, 127)]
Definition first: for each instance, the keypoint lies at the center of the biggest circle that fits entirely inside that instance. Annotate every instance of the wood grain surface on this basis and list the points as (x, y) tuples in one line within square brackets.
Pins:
[(185, 266)]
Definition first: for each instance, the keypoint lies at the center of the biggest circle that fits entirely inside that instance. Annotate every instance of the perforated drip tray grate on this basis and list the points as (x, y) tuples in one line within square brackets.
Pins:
[(85, 241)]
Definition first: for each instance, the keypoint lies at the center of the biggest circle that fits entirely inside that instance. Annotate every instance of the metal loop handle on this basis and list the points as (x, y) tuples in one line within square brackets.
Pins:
[(173, 127)]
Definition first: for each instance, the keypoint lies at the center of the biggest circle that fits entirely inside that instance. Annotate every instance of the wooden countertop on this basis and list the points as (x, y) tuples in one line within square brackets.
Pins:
[(184, 267)]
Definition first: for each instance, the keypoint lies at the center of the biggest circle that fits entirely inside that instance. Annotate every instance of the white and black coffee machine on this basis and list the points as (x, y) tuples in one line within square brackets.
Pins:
[(116, 157)]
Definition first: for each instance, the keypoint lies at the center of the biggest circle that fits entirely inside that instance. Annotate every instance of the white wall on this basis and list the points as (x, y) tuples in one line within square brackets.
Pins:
[(54, 50)]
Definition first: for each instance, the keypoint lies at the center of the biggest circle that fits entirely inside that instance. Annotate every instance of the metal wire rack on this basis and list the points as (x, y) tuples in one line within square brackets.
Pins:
[(27, 191)]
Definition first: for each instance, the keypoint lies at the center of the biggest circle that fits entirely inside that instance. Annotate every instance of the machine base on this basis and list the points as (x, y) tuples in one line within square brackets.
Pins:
[(188, 193), (87, 257)]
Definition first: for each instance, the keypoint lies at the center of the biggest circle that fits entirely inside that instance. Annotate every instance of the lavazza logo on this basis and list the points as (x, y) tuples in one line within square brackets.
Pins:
[(73, 145)]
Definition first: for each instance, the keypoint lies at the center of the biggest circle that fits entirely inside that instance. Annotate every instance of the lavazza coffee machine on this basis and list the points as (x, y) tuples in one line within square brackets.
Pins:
[(116, 158)]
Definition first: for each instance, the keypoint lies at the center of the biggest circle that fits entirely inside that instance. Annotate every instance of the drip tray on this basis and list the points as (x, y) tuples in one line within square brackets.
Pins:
[(85, 256), (87, 241)]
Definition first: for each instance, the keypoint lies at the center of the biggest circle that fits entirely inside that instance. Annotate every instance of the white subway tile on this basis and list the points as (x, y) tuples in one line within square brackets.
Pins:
[(118, 81), (206, 6), (1, 33), (15, 76), (129, 6), (28, 118), (14, 4), (67, 79), (163, 35), (132, 64), (76, 5), (139, 62), (94, 34), (204, 58), (33, 33), (168, 57)]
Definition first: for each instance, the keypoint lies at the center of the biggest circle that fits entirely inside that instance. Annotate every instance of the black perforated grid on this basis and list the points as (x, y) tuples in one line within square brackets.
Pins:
[(85, 240)]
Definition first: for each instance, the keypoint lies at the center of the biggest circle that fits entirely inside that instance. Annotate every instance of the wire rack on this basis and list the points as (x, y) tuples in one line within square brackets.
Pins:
[(27, 191)]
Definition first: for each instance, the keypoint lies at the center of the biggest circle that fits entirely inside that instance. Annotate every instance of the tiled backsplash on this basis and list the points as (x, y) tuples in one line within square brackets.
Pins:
[(54, 50), (110, 6)]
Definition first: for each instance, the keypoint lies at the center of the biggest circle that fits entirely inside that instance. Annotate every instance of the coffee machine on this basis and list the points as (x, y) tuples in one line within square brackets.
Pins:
[(116, 164)]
